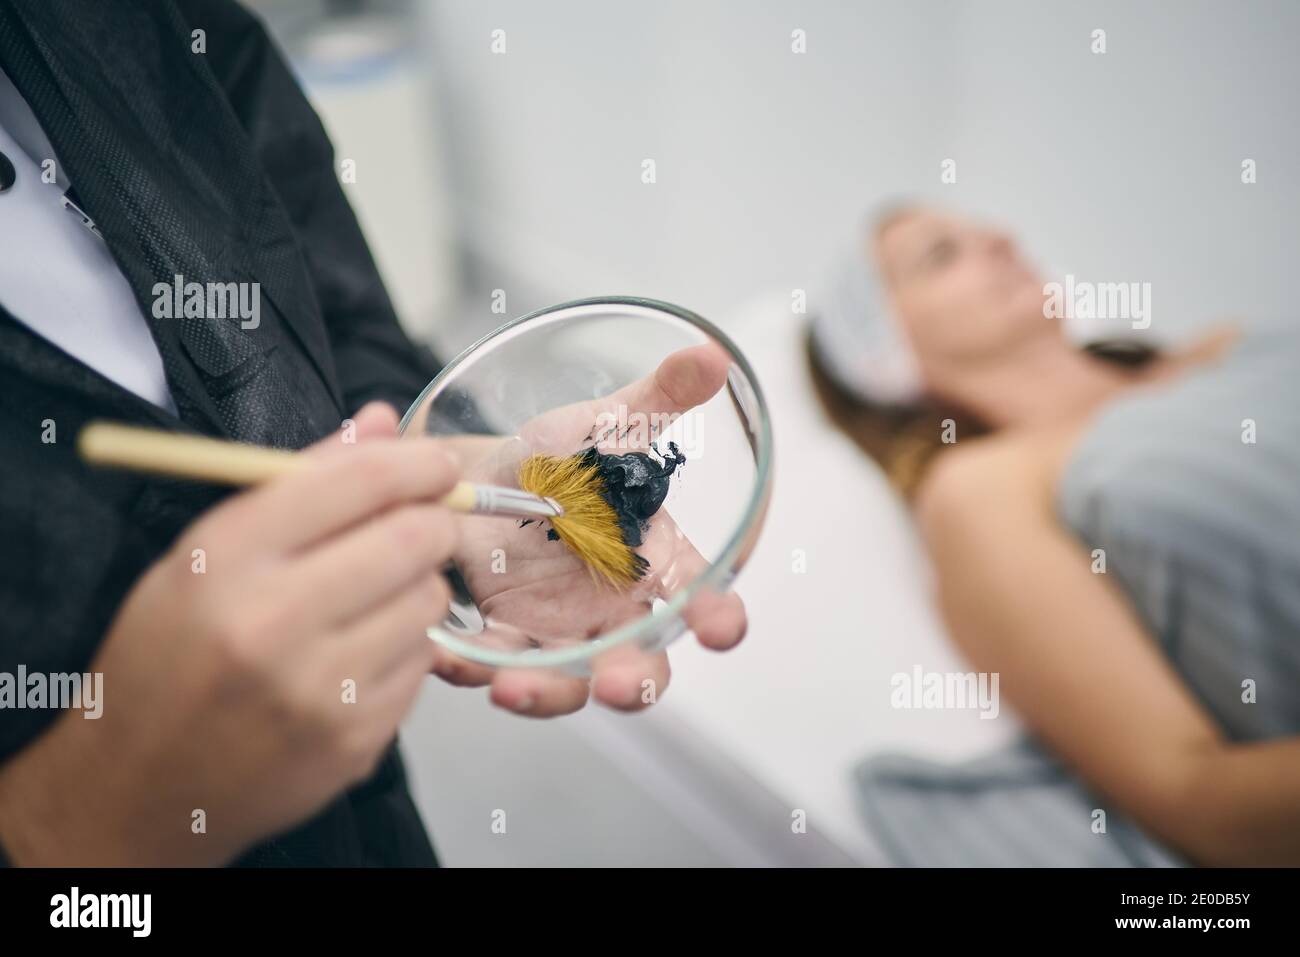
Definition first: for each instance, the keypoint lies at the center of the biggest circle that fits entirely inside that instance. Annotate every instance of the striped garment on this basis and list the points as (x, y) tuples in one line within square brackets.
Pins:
[(1193, 491)]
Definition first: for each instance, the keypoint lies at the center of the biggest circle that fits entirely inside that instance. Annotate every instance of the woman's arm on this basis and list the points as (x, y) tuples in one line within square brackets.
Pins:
[(1021, 599)]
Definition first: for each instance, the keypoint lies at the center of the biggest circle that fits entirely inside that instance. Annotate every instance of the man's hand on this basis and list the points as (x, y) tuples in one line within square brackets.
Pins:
[(546, 592), (254, 687)]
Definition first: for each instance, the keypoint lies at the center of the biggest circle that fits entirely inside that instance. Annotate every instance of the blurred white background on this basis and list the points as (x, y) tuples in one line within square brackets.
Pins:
[(1124, 165), (522, 171)]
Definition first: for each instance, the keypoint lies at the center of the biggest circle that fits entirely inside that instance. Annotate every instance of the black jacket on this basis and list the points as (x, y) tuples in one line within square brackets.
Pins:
[(214, 167)]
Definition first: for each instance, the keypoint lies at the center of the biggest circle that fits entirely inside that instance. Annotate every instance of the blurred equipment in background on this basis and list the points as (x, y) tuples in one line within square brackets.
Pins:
[(361, 64)]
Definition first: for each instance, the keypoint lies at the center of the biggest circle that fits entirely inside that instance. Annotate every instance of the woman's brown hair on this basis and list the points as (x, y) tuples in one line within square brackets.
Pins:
[(903, 440)]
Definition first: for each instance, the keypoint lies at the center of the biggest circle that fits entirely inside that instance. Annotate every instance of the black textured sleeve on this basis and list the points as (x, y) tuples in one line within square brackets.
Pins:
[(374, 357)]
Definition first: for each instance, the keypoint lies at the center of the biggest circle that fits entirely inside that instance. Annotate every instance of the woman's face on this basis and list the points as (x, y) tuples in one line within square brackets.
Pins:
[(960, 290)]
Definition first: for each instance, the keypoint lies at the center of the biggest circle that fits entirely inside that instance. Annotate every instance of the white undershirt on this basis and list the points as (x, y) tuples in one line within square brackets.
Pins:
[(58, 278)]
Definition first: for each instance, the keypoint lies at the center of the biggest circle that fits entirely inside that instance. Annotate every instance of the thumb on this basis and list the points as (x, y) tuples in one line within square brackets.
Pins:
[(374, 420)]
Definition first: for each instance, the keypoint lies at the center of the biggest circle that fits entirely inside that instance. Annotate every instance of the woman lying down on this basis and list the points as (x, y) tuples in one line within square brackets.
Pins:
[(1115, 532)]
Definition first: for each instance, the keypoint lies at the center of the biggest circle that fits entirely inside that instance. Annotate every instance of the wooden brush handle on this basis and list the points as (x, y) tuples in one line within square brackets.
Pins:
[(204, 459)]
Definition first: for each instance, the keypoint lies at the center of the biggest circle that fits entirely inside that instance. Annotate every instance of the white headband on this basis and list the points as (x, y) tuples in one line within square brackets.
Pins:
[(858, 339)]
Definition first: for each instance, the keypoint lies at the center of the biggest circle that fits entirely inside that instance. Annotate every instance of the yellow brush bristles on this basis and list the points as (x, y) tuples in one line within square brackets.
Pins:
[(589, 525)]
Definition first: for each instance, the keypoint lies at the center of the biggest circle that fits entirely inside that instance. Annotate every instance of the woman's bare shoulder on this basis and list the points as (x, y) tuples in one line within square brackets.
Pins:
[(1019, 467)]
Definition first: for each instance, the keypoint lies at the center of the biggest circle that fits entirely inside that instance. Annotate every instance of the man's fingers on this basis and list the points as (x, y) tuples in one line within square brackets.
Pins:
[(374, 420), (363, 567), (537, 693), (330, 493), (717, 618), (389, 698), (685, 379), (630, 679), (462, 672), (390, 637)]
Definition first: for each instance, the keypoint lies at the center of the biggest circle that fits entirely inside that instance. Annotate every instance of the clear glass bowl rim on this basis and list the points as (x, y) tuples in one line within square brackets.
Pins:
[(724, 566)]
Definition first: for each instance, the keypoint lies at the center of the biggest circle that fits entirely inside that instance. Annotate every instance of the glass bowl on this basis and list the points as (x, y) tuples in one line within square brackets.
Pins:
[(561, 380)]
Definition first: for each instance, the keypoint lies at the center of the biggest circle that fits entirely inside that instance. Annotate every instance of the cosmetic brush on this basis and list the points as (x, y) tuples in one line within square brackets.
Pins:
[(222, 462), (598, 505), (590, 523)]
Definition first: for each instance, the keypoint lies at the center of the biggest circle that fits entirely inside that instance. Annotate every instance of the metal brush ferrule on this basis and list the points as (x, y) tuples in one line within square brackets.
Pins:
[(498, 500)]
